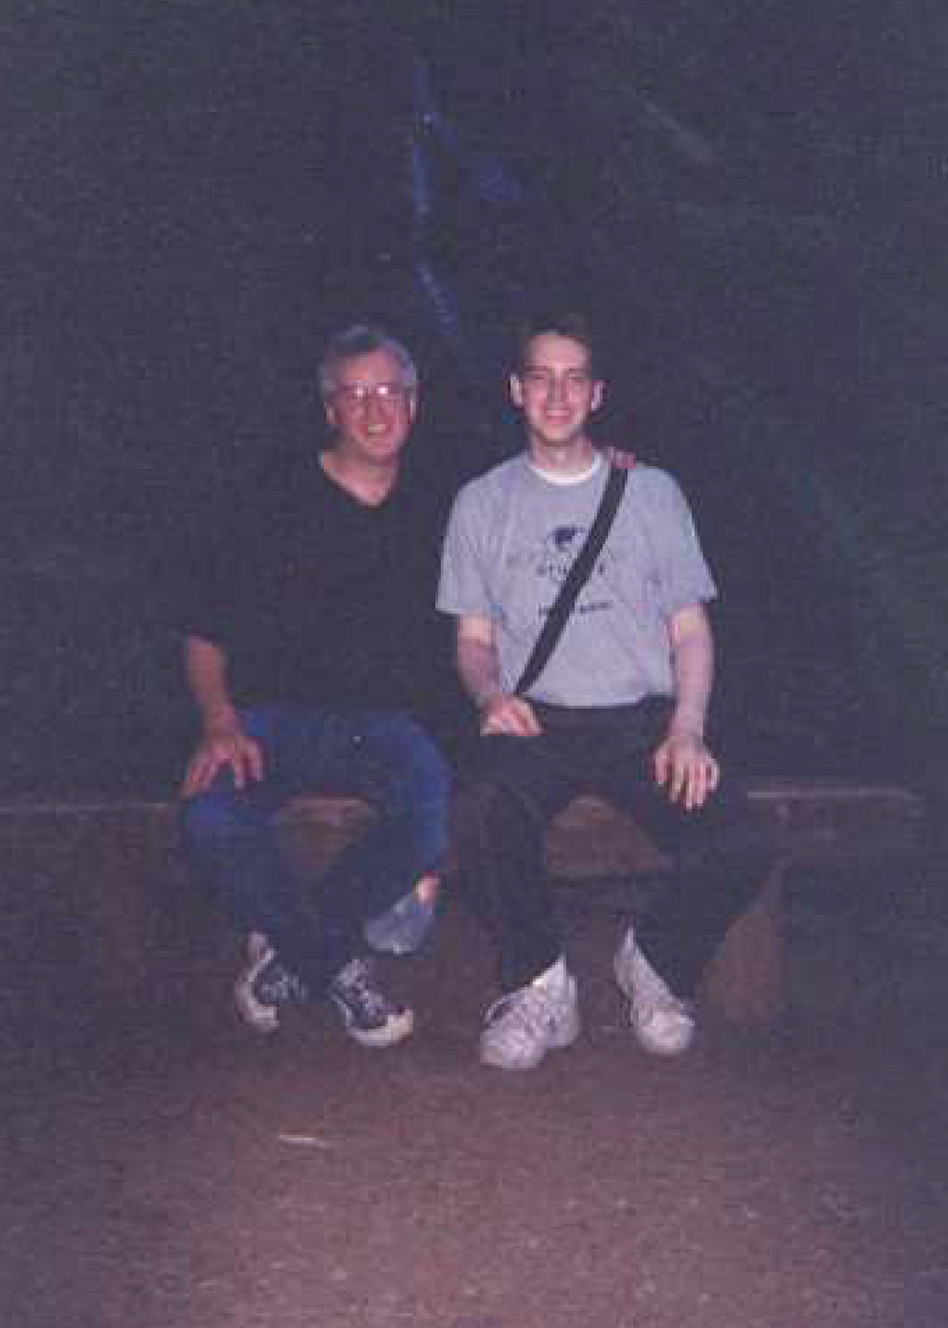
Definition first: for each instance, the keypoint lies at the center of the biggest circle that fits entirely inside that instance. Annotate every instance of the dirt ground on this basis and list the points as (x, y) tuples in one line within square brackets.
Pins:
[(167, 1169)]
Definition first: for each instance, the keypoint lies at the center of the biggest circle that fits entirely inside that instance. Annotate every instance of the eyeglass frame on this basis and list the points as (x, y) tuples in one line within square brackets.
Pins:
[(356, 396)]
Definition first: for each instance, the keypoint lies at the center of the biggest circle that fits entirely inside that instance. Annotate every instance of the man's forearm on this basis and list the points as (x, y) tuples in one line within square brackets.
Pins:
[(693, 664), (206, 666), (479, 670)]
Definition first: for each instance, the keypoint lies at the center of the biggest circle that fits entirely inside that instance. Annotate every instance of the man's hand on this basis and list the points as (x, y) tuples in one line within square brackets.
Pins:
[(224, 743), (508, 714), (686, 769), (618, 457)]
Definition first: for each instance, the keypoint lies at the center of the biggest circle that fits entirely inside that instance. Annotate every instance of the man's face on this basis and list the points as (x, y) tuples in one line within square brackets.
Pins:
[(371, 410), (555, 390)]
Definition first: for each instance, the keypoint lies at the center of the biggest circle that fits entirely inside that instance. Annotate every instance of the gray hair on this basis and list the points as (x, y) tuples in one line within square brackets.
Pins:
[(362, 339)]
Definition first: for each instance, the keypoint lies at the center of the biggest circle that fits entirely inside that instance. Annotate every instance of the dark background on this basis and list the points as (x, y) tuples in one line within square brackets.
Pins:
[(751, 198)]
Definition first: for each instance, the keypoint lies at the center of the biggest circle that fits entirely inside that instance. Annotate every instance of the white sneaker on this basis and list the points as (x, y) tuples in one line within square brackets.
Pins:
[(662, 1024), (525, 1024)]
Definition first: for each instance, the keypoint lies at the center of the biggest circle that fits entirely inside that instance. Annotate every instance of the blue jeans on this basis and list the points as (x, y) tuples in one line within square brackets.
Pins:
[(380, 756)]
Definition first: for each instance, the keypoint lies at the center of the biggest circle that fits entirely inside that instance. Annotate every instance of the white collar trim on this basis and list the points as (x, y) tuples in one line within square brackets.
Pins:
[(555, 477)]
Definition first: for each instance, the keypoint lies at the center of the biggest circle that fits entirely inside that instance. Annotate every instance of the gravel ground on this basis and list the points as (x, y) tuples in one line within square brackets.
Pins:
[(166, 1169)]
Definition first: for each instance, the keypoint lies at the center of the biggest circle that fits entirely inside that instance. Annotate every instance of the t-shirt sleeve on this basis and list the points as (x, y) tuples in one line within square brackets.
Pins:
[(683, 574), (206, 604), (463, 589)]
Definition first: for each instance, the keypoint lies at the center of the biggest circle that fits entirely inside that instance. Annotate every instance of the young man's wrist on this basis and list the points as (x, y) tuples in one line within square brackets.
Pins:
[(484, 695), (687, 725)]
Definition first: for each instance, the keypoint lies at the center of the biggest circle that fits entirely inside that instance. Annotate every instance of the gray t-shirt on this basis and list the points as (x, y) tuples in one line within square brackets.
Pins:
[(511, 539)]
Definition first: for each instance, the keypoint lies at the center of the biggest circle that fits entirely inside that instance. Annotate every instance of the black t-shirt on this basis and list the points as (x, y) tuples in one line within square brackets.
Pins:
[(317, 597)]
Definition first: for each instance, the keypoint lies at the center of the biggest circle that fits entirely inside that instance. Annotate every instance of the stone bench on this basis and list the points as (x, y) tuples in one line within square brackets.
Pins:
[(829, 826), (100, 883)]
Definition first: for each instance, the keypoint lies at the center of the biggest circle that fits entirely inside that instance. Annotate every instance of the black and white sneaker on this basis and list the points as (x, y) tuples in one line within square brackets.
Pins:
[(370, 1017), (263, 986)]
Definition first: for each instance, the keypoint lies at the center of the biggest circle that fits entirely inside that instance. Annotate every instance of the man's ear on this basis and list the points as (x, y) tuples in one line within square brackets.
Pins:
[(598, 393), (330, 412), (516, 389)]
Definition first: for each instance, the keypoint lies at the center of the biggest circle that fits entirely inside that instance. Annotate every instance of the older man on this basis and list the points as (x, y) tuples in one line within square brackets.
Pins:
[(303, 661)]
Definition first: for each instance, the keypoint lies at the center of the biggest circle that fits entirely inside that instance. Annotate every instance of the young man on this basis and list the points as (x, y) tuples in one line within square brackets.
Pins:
[(303, 661), (619, 709)]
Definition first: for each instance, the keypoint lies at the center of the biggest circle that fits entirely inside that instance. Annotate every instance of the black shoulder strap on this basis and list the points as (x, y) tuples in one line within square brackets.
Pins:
[(576, 578)]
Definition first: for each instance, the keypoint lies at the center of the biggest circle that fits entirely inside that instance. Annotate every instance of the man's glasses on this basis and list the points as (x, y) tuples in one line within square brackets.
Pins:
[(354, 395)]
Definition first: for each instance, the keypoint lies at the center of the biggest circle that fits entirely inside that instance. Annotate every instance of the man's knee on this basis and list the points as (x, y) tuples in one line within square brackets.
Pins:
[(427, 765), (215, 815), (416, 769)]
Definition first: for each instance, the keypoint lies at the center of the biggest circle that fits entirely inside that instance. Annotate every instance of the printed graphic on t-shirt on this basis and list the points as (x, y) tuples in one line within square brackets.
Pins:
[(560, 549)]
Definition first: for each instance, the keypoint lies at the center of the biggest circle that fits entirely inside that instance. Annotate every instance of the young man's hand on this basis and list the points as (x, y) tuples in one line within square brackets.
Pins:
[(508, 714), (223, 744), (686, 769)]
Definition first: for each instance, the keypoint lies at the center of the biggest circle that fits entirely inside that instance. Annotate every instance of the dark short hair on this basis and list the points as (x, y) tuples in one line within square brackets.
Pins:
[(562, 323), (362, 339)]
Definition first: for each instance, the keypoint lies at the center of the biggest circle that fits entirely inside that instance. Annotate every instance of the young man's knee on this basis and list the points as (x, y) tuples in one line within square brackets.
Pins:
[(487, 806)]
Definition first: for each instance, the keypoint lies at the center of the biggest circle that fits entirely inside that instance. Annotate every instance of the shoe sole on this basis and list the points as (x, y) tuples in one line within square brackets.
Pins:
[(656, 1048), (260, 1018), (257, 945), (560, 1043)]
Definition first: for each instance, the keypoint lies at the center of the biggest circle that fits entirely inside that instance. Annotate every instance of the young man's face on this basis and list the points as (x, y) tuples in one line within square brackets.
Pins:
[(555, 390), (370, 409)]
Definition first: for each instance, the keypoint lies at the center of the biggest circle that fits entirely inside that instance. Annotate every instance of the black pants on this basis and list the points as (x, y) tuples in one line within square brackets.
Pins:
[(509, 789)]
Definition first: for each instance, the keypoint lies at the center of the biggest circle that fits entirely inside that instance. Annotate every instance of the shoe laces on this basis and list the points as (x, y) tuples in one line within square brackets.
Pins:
[(528, 1010), (354, 985), (277, 985)]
